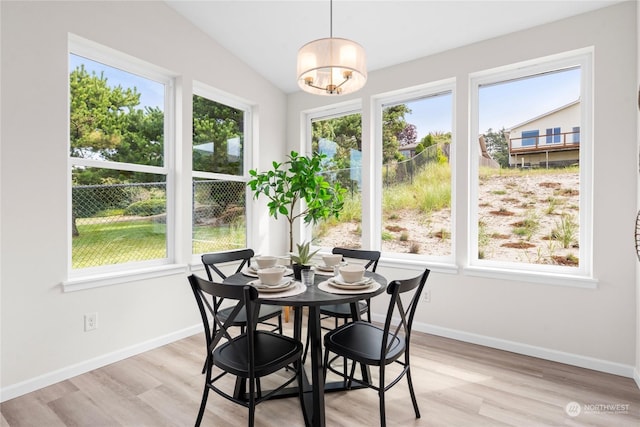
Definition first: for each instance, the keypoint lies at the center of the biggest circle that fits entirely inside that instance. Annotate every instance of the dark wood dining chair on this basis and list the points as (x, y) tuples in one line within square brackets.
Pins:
[(248, 356), (343, 311), (372, 345), (211, 263)]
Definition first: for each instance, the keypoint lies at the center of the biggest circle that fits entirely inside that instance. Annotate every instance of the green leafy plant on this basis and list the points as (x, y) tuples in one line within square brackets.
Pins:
[(294, 181), (304, 255)]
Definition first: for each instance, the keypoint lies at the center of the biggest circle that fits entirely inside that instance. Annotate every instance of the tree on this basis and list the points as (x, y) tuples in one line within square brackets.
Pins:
[(97, 115), (408, 135), (106, 123), (290, 183), (217, 124), (393, 124), (427, 141), (497, 146)]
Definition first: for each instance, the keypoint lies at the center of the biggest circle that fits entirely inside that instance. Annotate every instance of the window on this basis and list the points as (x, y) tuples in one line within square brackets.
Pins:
[(121, 183), (339, 138), (220, 127), (553, 135), (530, 137), (529, 212), (575, 134), (415, 211)]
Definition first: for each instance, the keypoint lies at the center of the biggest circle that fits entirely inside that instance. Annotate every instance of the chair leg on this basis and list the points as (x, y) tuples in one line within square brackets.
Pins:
[(252, 402), (280, 324), (325, 364), (383, 417), (353, 372), (344, 359), (298, 366), (412, 393), (203, 404)]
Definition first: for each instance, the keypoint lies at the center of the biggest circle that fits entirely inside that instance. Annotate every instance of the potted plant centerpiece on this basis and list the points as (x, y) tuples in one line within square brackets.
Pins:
[(302, 260), (296, 189)]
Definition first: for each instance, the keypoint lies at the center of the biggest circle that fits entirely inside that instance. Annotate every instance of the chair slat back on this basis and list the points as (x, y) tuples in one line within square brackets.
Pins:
[(212, 260), (247, 297), (371, 256), (398, 310)]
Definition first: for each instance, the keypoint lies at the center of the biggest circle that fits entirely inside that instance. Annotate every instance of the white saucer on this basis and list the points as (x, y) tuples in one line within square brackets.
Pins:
[(284, 285), (252, 272), (338, 282)]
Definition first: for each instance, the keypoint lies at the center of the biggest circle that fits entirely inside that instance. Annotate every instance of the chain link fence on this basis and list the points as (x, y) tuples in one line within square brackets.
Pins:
[(219, 215), (122, 223), (118, 223), (394, 172)]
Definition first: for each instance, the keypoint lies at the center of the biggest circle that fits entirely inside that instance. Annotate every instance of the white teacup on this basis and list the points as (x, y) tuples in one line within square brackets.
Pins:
[(270, 276), (352, 272), (331, 260), (266, 261)]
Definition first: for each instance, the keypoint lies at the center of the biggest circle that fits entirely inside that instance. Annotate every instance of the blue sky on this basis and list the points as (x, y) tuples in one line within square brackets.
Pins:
[(501, 105), (151, 92)]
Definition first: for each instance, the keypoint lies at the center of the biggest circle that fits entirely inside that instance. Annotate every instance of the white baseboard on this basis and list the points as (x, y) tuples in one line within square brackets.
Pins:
[(528, 350), (50, 378)]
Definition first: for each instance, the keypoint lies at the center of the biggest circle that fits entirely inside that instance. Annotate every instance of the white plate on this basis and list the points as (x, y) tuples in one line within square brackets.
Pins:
[(324, 267), (364, 281), (282, 286), (252, 272), (350, 286)]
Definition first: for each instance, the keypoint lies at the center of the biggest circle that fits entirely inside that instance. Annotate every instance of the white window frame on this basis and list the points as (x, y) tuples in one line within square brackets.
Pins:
[(221, 97), (379, 102), (78, 279), (581, 276)]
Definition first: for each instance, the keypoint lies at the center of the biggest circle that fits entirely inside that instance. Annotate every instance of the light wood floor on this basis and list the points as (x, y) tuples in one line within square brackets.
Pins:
[(457, 384)]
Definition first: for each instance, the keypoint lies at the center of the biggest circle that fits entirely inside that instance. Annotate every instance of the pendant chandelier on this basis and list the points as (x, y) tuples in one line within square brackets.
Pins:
[(331, 66)]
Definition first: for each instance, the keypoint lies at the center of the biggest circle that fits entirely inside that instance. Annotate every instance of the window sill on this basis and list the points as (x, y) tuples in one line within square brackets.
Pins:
[(116, 278), (419, 265), (533, 277)]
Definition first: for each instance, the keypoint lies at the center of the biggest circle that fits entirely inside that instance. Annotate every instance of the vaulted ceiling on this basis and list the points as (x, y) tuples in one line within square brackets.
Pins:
[(267, 34)]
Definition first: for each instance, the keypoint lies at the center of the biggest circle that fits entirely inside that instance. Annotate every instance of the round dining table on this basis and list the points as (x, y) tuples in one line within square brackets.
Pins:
[(313, 298)]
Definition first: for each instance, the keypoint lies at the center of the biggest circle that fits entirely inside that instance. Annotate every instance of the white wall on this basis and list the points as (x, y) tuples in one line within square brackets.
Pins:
[(587, 327), (42, 327), (637, 368)]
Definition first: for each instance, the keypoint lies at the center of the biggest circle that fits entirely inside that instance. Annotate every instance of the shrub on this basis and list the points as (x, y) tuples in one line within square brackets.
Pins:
[(147, 207)]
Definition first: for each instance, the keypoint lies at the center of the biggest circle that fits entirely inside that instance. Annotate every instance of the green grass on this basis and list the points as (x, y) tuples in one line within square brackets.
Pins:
[(518, 172), (119, 242), (430, 191), (212, 239)]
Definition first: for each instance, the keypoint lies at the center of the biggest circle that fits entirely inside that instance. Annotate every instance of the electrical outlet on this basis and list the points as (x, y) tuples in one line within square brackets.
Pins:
[(90, 321), (427, 295)]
